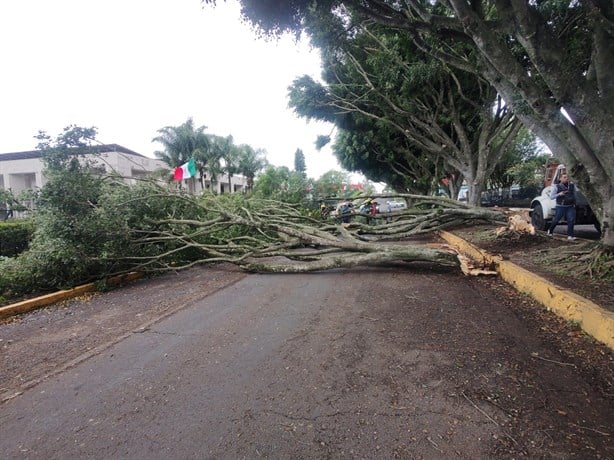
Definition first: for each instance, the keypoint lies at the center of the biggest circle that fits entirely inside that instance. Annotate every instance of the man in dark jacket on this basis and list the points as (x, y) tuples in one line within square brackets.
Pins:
[(565, 195)]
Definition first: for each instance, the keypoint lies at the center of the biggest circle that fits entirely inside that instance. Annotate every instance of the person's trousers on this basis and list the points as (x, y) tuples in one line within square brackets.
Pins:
[(570, 216)]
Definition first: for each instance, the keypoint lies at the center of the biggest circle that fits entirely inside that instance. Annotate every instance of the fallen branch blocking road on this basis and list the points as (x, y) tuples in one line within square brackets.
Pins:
[(270, 236)]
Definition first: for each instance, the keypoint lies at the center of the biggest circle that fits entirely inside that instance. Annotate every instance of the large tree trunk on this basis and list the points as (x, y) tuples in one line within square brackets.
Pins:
[(474, 190), (379, 254), (536, 76), (585, 145), (607, 231)]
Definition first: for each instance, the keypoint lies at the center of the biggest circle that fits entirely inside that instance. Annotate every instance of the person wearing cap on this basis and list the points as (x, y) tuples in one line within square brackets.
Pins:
[(323, 209), (344, 211), (565, 195)]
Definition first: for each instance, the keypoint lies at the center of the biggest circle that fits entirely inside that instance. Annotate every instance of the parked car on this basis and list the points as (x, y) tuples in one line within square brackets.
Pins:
[(397, 204), (543, 207)]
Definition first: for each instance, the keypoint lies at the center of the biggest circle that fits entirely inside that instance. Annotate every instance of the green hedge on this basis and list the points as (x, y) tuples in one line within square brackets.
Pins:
[(15, 237)]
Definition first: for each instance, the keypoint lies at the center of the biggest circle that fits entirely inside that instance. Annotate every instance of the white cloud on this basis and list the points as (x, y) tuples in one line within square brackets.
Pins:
[(132, 67)]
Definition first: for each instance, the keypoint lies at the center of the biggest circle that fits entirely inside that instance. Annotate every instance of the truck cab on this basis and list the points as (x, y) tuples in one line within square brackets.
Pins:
[(543, 207)]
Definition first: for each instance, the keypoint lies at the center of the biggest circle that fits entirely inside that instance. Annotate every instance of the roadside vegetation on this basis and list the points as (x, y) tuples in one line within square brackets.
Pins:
[(89, 225), (15, 236), (427, 98), (422, 86)]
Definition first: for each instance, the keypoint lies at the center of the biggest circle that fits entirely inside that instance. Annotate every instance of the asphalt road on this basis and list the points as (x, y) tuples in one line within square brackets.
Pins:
[(362, 364), (587, 232)]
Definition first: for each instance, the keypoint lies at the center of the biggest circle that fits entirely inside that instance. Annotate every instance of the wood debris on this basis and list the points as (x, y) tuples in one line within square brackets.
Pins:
[(467, 265), (519, 223)]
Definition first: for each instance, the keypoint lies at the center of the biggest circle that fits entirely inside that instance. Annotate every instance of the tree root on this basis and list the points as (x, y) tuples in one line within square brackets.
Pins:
[(590, 260)]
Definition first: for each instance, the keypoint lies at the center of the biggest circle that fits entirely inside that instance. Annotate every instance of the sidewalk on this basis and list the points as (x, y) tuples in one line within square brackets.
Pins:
[(49, 299), (592, 318)]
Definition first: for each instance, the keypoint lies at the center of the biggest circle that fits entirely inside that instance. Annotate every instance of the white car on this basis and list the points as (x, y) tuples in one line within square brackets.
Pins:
[(397, 204), (543, 207)]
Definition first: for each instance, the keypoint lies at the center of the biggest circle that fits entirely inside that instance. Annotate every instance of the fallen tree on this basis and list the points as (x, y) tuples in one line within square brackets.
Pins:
[(274, 237)]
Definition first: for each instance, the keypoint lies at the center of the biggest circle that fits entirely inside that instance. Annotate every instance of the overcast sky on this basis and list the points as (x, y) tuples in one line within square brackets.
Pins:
[(130, 67)]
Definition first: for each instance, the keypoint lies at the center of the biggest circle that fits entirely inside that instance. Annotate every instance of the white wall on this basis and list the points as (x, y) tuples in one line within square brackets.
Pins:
[(27, 174), (19, 175), (238, 182)]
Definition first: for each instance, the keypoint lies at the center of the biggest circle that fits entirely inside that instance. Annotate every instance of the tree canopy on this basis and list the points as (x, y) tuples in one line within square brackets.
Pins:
[(181, 143), (280, 183), (299, 162), (416, 113), (549, 60)]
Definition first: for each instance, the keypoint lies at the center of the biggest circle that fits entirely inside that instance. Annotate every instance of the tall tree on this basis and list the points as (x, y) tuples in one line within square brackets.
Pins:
[(331, 184), (522, 151), (251, 161), (280, 183), (229, 159), (218, 145), (69, 233), (453, 116), (69, 150), (382, 154), (182, 143), (299, 163), (550, 61)]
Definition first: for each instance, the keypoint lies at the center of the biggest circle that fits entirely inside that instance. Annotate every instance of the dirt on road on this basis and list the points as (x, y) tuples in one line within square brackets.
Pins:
[(545, 387)]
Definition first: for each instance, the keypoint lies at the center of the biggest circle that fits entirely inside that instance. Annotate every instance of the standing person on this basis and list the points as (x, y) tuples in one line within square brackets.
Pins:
[(323, 209), (373, 210), (388, 212), (344, 211), (565, 195)]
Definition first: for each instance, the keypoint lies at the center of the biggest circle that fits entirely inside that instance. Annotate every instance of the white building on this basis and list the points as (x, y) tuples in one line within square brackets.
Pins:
[(23, 171), (220, 185)]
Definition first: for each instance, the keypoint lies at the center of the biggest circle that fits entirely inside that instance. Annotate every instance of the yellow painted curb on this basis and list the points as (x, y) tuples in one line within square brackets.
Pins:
[(48, 299), (593, 319)]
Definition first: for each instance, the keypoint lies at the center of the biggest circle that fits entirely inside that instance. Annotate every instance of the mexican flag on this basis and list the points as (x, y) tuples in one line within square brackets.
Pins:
[(185, 171)]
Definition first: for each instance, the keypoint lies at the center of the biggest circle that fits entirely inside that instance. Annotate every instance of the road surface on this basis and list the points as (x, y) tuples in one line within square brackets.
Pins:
[(371, 363), (588, 232)]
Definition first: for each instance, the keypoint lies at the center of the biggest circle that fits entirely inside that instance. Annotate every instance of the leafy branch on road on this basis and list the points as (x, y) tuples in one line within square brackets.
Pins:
[(270, 236), (89, 228)]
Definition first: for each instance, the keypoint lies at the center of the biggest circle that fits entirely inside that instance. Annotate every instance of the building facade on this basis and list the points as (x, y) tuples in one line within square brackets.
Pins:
[(24, 171), (219, 185)]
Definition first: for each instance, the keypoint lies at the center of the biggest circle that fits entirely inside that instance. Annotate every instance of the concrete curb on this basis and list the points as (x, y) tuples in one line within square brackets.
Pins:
[(42, 301), (593, 319)]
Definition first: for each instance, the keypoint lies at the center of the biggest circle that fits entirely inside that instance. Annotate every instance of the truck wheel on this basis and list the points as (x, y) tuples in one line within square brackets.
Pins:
[(537, 217)]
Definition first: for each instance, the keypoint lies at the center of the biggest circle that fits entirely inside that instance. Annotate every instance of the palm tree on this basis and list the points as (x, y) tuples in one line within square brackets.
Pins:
[(220, 148), (225, 157), (250, 163), (231, 164), (182, 143)]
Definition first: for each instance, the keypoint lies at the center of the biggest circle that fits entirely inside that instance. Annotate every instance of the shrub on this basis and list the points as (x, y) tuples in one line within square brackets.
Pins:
[(16, 277), (15, 237)]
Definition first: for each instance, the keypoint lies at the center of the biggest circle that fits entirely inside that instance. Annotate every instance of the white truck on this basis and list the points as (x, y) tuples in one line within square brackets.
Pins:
[(542, 207)]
